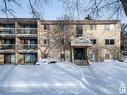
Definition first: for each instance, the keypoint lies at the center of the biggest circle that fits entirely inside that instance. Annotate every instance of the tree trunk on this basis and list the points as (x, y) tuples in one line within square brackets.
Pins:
[(124, 4)]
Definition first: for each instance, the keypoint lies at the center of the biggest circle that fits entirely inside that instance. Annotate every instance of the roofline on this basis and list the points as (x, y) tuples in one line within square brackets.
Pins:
[(34, 20), (82, 22)]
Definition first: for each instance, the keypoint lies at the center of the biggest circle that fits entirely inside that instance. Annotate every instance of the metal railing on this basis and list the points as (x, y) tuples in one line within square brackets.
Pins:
[(7, 46), (19, 30), (26, 30), (7, 31), (27, 46)]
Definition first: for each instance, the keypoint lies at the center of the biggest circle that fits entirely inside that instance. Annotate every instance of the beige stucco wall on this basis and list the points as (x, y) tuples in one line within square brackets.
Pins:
[(100, 34), (20, 58), (1, 58), (55, 49)]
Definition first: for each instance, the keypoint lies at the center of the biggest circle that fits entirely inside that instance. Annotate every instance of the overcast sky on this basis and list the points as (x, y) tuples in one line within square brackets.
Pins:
[(50, 11)]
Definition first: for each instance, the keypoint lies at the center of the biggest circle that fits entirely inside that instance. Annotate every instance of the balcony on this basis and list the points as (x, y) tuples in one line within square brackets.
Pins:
[(27, 47), (7, 32), (27, 32), (7, 46)]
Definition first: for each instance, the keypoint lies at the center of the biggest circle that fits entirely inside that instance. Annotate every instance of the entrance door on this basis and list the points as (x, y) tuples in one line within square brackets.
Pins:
[(79, 53)]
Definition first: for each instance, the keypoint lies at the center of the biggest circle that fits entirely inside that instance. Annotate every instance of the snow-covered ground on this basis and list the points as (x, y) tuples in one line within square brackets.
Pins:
[(107, 78)]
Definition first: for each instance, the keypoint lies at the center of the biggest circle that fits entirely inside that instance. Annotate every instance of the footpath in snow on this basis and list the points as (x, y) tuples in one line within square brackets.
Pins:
[(107, 78)]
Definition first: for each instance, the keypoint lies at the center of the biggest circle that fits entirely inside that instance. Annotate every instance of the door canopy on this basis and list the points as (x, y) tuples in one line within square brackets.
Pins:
[(81, 42)]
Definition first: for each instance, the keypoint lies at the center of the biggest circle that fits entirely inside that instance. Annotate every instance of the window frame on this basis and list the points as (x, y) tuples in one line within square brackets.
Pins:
[(46, 26), (93, 27), (109, 41), (46, 41), (30, 55), (94, 41), (79, 30)]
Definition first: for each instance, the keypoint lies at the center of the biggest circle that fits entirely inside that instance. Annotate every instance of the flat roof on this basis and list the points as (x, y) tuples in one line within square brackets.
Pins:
[(80, 22), (34, 21), (19, 20)]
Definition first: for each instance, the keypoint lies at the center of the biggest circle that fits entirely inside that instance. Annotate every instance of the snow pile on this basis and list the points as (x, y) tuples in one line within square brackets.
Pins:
[(107, 78), (46, 61)]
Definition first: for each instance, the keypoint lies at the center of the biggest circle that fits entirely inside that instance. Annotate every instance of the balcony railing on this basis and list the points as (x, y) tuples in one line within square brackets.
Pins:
[(27, 31), (27, 46), (7, 46), (7, 31)]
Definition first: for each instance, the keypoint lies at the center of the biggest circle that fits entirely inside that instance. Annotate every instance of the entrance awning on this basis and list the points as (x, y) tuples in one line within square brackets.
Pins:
[(81, 42)]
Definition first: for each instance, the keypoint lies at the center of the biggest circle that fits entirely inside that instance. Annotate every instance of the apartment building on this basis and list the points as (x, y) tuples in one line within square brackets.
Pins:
[(25, 40)]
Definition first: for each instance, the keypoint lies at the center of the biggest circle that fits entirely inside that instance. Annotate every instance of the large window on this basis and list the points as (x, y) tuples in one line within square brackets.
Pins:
[(92, 57), (110, 27), (30, 28), (109, 41), (93, 27), (29, 41), (79, 31), (30, 57), (9, 28), (9, 41), (9, 58), (108, 56)]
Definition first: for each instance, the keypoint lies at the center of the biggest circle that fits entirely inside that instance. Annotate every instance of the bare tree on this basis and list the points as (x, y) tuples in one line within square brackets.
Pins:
[(94, 8), (79, 8), (35, 6)]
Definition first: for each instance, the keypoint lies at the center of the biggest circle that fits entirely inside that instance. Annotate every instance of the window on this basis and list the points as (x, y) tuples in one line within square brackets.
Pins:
[(30, 58), (29, 41), (62, 41), (46, 27), (109, 41), (93, 41), (112, 42), (9, 58), (92, 27), (79, 31), (110, 27), (62, 27), (45, 55), (62, 56), (9, 28), (107, 56), (46, 41), (92, 57)]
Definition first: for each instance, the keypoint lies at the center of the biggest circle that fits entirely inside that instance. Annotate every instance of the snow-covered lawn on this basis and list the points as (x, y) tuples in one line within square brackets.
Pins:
[(105, 78)]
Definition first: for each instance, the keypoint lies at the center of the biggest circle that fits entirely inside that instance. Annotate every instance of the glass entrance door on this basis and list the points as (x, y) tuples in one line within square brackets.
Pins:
[(79, 54)]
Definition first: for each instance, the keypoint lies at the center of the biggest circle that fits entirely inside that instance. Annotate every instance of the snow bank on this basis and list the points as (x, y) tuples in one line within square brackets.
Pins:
[(105, 78)]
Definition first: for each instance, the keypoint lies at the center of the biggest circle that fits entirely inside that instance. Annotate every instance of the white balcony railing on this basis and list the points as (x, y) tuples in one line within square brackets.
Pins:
[(27, 46), (6, 31), (26, 30), (7, 46)]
